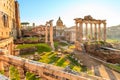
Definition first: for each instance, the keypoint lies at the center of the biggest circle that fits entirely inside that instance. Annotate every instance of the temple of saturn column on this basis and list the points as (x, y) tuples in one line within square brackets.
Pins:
[(49, 34), (89, 29)]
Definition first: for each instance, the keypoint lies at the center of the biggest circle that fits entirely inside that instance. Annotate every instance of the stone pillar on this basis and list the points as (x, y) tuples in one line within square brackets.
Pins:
[(104, 32), (21, 73), (81, 31), (91, 31), (46, 34), (76, 31), (95, 34), (99, 32), (51, 34), (86, 31)]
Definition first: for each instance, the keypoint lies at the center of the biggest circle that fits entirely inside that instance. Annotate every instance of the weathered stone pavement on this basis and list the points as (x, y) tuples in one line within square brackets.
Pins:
[(97, 68)]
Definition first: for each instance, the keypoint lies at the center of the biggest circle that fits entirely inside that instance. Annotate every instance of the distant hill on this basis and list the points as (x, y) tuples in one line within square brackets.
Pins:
[(113, 32)]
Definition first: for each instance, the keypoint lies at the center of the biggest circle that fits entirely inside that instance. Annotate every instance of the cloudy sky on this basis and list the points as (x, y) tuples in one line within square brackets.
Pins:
[(40, 11)]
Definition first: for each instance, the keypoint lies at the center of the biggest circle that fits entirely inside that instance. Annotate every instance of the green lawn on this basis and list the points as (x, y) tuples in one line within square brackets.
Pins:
[(112, 41), (53, 58), (63, 61), (31, 38), (56, 44), (41, 47), (114, 67)]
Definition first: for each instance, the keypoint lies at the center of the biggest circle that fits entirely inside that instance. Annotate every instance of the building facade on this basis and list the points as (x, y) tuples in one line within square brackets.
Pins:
[(9, 19), (70, 34), (59, 28), (8, 24), (40, 30)]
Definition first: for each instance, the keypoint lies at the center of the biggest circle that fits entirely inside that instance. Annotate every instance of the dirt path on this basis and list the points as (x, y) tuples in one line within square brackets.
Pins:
[(97, 67)]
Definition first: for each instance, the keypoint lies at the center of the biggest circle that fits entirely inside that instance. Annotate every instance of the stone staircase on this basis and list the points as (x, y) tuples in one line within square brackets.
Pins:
[(106, 73)]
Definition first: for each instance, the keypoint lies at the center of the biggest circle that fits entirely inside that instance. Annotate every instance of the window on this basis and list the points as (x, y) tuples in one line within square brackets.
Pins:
[(6, 33), (1, 33), (5, 20)]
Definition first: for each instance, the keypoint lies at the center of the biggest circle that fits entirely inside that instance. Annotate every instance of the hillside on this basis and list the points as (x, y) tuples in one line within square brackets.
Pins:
[(113, 32)]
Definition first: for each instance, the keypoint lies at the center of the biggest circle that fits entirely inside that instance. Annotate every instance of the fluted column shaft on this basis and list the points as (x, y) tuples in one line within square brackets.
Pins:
[(95, 34), (81, 31), (51, 33), (86, 31), (76, 31), (91, 31), (104, 31), (46, 33), (99, 32)]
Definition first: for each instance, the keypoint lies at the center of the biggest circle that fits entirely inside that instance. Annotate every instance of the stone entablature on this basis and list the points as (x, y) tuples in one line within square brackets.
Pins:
[(42, 70)]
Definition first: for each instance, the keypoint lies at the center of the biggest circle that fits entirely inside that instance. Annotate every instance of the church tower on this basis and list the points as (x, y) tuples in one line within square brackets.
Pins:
[(59, 28), (59, 22)]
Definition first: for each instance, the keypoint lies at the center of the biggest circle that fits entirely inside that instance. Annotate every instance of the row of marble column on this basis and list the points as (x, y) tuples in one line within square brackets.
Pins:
[(97, 31)]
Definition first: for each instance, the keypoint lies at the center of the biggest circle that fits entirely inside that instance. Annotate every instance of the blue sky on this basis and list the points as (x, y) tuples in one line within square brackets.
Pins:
[(40, 11)]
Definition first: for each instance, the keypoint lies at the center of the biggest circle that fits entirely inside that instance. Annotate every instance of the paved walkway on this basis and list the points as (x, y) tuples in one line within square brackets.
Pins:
[(97, 67)]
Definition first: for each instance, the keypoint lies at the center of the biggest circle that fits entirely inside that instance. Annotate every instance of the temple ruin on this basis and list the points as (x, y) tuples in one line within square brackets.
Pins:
[(49, 33), (90, 29)]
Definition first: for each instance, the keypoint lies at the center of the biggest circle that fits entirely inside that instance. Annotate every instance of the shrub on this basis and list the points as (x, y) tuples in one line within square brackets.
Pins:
[(31, 76), (14, 74)]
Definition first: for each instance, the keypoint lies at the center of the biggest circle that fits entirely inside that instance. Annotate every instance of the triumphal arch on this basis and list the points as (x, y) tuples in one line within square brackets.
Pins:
[(89, 29)]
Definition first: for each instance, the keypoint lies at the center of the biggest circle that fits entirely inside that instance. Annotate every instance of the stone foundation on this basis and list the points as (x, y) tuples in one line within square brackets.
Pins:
[(46, 71), (78, 46), (95, 50)]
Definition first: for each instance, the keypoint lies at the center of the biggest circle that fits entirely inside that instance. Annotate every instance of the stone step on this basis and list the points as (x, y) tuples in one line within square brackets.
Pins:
[(103, 72)]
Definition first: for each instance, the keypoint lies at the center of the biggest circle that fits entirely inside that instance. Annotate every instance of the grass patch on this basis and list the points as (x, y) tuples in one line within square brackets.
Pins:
[(31, 38), (60, 62), (112, 41), (77, 66), (63, 61), (41, 47), (56, 44), (72, 47), (114, 67), (31, 76), (14, 74), (2, 72), (63, 44)]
